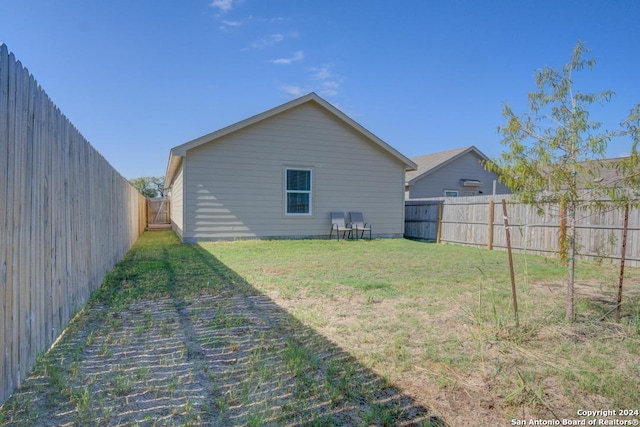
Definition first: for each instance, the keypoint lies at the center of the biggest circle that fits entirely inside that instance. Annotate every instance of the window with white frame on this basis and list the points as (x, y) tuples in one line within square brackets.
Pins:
[(450, 193), (298, 191)]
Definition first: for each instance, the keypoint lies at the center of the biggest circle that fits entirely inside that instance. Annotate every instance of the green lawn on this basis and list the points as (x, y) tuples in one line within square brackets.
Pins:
[(175, 338), (316, 332), (437, 321)]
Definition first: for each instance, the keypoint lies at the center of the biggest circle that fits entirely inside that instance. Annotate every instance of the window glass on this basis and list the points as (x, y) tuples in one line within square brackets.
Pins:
[(298, 189), (298, 180)]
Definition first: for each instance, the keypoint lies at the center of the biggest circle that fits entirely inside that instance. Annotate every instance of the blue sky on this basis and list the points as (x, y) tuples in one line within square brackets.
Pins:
[(138, 77)]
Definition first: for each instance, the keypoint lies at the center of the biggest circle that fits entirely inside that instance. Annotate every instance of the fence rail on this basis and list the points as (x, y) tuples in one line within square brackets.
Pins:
[(478, 221), (66, 218)]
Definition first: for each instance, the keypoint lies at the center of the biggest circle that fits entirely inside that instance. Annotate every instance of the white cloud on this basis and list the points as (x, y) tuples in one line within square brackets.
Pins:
[(329, 88), (223, 6), (226, 24), (269, 41), (298, 56), (296, 91), (330, 85), (328, 81), (276, 37), (322, 80), (321, 73)]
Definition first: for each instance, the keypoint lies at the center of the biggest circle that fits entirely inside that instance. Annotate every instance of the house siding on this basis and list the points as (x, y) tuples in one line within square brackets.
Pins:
[(177, 205), (448, 177), (234, 186)]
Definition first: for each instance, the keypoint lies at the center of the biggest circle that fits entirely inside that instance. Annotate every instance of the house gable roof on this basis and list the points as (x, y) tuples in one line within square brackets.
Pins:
[(430, 163), (178, 152)]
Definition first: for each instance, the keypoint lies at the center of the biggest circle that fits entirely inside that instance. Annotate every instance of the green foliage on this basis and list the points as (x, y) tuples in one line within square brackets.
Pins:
[(149, 186), (629, 167), (556, 152)]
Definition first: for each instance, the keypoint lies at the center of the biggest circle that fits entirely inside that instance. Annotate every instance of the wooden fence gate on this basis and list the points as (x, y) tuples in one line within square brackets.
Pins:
[(158, 213), (422, 220)]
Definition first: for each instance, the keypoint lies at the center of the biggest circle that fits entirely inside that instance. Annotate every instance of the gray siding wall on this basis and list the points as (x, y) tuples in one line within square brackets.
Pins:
[(448, 178), (177, 206), (234, 186)]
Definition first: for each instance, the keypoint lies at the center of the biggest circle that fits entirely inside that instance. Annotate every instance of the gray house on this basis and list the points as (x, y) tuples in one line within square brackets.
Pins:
[(280, 173), (452, 173)]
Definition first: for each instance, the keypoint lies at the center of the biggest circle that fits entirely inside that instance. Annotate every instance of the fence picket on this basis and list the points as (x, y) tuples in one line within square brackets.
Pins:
[(59, 229), (470, 221), (4, 179)]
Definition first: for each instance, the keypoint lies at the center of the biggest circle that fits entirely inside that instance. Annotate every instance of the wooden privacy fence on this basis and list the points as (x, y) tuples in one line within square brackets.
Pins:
[(66, 218), (478, 221)]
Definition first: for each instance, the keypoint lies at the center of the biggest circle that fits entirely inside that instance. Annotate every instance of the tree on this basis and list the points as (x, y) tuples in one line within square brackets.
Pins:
[(149, 186), (555, 151)]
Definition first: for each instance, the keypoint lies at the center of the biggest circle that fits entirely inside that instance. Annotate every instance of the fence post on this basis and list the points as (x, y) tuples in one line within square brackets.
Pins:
[(439, 225), (513, 279), (490, 227), (625, 230)]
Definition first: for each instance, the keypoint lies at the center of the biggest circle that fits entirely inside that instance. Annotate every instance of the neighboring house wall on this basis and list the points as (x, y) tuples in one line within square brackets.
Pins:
[(448, 177), (235, 185), (177, 206)]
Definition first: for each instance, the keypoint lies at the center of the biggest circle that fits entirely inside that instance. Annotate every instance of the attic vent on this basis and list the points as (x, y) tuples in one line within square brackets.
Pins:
[(470, 183)]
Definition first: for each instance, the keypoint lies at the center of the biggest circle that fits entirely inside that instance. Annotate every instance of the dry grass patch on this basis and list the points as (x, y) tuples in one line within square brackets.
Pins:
[(437, 322)]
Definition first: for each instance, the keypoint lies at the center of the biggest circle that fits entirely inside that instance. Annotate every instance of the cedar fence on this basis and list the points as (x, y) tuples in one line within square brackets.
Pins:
[(158, 211), (478, 221), (66, 218)]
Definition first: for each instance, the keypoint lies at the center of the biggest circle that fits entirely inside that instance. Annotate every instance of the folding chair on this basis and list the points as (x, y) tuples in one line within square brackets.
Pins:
[(339, 226), (357, 223)]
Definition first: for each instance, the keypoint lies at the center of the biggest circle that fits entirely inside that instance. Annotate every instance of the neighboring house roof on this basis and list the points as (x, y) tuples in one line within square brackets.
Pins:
[(178, 152), (432, 162), (609, 173), (605, 172)]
